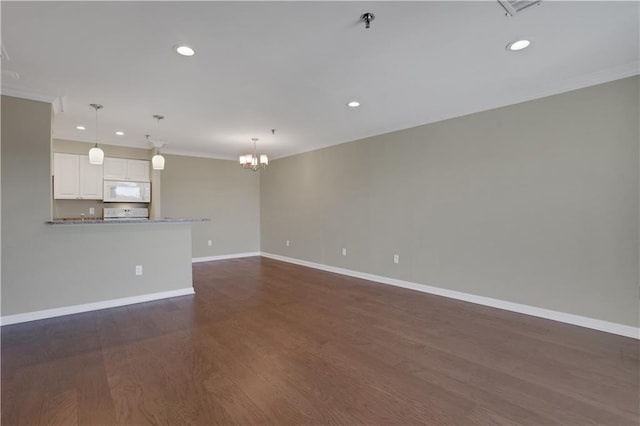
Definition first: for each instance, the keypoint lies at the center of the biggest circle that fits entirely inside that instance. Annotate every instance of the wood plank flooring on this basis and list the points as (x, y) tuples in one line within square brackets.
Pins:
[(266, 342)]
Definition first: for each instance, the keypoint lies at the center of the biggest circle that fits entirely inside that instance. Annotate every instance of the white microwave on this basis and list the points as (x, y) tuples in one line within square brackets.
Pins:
[(127, 192)]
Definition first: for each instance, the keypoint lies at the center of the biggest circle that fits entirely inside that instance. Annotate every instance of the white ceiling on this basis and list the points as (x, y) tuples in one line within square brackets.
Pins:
[(293, 66)]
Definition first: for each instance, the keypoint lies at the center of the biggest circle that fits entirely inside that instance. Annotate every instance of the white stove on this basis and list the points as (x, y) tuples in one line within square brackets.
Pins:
[(120, 213)]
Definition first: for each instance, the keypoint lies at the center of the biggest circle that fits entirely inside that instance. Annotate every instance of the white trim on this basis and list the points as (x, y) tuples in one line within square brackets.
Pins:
[(17, 92), (568, 85), (596, 324), (75, 309), (197, 154), (224, 257)]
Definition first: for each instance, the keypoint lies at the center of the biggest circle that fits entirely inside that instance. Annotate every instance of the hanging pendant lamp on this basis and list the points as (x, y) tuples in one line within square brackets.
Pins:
[(96, 155), (157, 161)]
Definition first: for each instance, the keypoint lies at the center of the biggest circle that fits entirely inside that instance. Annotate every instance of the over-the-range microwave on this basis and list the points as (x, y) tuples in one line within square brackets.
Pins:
[(127, 192)]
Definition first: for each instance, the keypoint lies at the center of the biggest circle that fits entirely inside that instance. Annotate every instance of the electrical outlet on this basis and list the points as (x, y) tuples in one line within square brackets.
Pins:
[(209, 243), (138, 269), (344, 251), (288, 243), (92, 210), (396, 258)]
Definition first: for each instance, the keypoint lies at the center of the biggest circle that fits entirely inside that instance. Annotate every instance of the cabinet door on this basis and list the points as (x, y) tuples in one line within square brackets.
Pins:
[(138, 170), (115, 168), (66, 176), (90, 179)]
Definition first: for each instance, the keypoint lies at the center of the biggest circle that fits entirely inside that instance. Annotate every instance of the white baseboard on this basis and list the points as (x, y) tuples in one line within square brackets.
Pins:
[(224, 257), (596, 324), (75, 309)]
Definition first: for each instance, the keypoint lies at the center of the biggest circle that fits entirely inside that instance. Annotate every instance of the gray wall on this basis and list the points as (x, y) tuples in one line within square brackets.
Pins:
[(48, 266), (219, 190), (535, 203)]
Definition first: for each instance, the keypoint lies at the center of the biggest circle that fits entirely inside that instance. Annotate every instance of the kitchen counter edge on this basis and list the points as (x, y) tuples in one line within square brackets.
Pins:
[(121, 221)]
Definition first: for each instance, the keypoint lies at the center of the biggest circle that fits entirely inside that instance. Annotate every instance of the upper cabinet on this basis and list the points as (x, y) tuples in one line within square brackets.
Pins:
[(126, 169), (75, 178), (138, 170)]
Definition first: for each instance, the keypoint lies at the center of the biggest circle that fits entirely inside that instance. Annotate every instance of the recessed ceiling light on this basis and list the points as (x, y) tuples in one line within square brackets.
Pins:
[(185, 50), (119, 133), (518, 45), (354, 104), (80, 127)]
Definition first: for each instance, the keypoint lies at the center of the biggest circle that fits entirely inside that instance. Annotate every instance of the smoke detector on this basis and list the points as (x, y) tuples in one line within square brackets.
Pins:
[(513, 7)]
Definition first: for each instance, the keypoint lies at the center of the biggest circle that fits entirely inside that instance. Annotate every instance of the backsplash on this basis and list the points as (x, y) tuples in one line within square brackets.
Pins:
[(76, 208)]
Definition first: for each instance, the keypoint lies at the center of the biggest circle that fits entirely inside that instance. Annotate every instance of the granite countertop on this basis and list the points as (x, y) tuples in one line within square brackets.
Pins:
[(99, 221)]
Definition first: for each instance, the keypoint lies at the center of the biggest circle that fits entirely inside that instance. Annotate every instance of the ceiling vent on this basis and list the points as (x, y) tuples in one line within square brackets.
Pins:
[(513, 7)]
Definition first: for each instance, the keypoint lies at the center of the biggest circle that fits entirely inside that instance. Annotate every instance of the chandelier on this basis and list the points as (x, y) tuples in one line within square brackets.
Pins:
[(254, 161)]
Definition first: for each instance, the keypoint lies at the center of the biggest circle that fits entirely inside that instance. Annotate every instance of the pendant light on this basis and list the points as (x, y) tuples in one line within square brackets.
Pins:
[(96, 155), (157, 161)]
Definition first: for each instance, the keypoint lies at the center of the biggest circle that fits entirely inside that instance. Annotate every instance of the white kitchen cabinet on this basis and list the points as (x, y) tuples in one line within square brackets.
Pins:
[(126, 169), (74, 178), (90, 179), (138, 170), (115, 168), (66, 176)]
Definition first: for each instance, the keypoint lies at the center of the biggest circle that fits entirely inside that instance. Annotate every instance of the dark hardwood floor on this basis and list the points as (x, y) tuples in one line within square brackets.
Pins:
[(265, 342)]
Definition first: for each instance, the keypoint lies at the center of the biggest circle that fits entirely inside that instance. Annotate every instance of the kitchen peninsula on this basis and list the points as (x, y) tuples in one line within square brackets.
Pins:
[(52, 268), (99, 265)]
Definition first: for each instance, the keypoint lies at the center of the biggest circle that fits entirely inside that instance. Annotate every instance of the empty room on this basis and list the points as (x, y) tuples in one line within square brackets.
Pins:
[(313, 212)]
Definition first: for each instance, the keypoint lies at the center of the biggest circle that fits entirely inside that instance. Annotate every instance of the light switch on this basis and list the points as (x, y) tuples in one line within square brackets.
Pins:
[(344, 251), (138, 269), (396, 258)]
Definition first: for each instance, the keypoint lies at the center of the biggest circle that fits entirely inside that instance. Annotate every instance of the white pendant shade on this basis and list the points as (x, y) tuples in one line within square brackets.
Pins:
[(96, 155), (157, 162)]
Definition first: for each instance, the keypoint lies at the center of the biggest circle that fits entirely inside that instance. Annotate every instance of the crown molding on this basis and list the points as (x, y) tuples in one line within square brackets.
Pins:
[(542, 91), (32, 95), (187, 153), (579, 82)]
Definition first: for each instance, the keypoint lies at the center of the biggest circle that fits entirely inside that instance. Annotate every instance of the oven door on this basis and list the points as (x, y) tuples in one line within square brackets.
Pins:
[(127, 192)]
